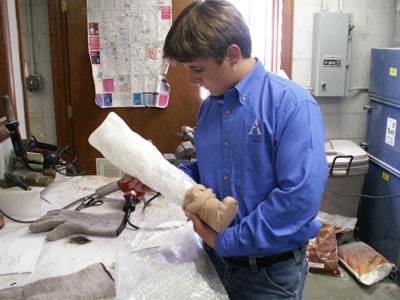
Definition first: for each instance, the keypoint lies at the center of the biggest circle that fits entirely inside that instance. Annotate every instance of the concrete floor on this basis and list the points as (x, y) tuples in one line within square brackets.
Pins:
[(326, 287)]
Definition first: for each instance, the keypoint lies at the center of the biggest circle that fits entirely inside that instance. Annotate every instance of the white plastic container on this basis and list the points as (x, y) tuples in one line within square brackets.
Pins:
[(17, 202), (348, 164)]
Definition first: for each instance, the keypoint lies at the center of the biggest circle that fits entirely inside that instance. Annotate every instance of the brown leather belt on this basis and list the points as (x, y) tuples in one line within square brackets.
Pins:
[(261, 261)]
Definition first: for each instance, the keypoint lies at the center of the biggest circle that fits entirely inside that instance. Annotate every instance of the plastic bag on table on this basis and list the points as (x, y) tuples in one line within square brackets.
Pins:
[(168, 264)]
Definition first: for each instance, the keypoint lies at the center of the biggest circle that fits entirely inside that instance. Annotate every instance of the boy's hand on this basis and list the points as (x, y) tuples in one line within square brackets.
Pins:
[(135, 184), (202, 229)]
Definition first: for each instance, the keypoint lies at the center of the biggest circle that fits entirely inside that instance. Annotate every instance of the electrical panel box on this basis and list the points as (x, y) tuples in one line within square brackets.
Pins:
[(331, 53)]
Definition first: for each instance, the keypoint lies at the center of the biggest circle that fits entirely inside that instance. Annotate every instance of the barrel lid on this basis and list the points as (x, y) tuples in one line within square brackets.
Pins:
[(346, 154)]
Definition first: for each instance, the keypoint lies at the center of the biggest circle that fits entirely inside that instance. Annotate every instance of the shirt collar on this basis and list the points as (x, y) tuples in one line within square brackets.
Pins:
[(248, 84)]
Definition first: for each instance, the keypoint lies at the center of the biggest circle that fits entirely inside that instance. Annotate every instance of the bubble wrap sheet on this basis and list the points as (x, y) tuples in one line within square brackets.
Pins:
[(135, 156), (169, 265)]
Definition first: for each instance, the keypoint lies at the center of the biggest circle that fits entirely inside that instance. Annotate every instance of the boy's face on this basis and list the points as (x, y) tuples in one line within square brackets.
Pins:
[(207, 73)]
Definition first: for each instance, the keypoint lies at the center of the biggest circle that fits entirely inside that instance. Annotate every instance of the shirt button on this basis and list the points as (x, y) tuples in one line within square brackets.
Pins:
[(243, 99), (226, 178), (228, 111), (226, 144)]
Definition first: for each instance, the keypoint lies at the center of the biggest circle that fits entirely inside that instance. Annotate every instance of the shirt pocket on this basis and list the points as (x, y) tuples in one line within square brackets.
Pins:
[(253, 172)]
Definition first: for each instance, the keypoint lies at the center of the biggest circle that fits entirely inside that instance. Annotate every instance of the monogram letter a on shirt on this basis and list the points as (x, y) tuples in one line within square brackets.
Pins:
[(255, 128)]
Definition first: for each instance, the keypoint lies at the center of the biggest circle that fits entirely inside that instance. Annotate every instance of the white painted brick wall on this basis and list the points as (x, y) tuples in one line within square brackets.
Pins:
[(40, 102), (374, 23)]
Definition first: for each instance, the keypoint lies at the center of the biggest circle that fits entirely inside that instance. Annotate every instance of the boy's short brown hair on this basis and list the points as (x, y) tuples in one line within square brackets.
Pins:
[(205, 29)]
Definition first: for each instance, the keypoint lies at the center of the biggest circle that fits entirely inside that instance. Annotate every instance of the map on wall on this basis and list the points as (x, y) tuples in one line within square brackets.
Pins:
[(125, 41)]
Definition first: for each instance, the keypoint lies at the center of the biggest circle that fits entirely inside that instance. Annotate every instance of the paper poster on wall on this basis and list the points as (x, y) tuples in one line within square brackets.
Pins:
[(125, 41)]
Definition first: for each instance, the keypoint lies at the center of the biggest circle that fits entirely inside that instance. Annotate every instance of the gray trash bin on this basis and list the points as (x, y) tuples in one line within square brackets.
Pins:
[(348, 164)]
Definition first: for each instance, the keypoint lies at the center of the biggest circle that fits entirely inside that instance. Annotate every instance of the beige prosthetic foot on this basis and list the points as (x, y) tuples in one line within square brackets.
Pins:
[(217, 214)]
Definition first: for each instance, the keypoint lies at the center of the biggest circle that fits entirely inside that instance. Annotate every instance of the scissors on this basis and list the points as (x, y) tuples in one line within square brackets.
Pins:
[(88, 202), (94, 199)]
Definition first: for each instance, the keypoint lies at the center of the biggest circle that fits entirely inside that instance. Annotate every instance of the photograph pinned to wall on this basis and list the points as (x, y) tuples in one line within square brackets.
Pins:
[(125, 41), (93, 29), (104, 100), (137, 99), (95, 57), (163, 92)]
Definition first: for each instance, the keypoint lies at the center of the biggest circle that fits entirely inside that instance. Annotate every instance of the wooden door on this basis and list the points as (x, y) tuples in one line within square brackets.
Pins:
[(77, 115)]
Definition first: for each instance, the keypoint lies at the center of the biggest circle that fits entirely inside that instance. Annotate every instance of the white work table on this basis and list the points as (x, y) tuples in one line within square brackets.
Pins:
[(163, 258)]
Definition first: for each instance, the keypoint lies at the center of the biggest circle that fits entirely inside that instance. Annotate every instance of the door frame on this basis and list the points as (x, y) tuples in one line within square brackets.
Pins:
[(60, 71), (7, 84)]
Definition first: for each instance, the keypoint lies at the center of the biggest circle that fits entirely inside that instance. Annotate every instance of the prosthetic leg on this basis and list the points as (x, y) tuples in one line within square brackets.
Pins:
[(135, 156)]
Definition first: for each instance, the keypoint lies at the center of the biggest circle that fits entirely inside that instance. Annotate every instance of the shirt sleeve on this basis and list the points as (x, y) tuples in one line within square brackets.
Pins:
[(190, 169)]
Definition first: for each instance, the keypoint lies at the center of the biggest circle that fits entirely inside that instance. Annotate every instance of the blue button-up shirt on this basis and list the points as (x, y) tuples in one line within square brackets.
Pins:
[(263, 144)]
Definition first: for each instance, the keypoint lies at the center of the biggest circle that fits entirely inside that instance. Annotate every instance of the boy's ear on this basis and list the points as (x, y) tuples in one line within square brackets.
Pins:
[(233, 53)]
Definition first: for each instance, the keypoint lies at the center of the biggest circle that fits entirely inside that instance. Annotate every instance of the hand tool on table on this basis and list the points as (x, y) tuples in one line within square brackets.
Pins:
[(94, 199), (15, 180), (131, 196)]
